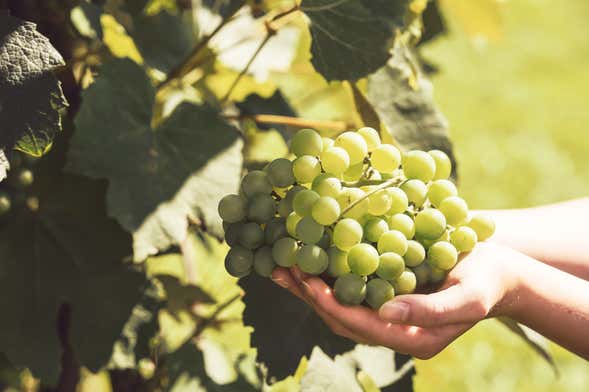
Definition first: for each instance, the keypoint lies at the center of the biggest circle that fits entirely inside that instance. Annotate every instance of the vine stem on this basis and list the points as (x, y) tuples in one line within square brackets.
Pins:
[(298, 122), (383, 185)]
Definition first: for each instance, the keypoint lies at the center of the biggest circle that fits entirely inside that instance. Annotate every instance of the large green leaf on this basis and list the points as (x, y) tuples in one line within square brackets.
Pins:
[(351, 38), (329, 375), (30, 96), (181, 167)]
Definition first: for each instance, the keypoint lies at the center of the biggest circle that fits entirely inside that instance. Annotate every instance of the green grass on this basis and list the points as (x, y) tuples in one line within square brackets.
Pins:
[(519, 119)]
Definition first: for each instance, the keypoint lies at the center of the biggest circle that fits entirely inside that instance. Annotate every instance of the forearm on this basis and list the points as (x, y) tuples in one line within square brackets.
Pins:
[(556, 234)]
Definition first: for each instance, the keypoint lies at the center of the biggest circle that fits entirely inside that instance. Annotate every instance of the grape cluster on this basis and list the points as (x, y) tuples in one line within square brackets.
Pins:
[(14, 191), (377, 221)]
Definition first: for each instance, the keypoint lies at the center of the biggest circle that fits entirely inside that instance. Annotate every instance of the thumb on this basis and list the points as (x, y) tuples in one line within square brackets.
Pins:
[(450, 306)]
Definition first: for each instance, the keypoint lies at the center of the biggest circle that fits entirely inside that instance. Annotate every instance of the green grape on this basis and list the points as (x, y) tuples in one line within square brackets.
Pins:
[(309, 231), (440, 190), (380, 202), (306, 168), (374, 228), (419, 165), (386, 158), (312, 259), (283, 208), (325, 211), (363, 259), (325, 241), (261, 208), (5, 203), (483, 226), (303, 202), (347, 233), (349, 196), (392, 241), (256, 182), (455, 210), (442, 255), (291, 223), (338, 262), (370, 136), (251, 235), (406, 283), (429, 224), (443, 164), (275, 230), (399, 200), (335, 160), (280, 173), (327, 142), (427, 243), (437, 275), (263, 262), (232, 208), (239, 261), (416, 191), (390, 266), (403, 223), (23, 178), (354, 172), (306, 142), (284, 251), (354, 144), (464, 239), (327, 185), (232, 233), (415, 254), (285, 205), (378, 291), (350, 289), (422, 274)]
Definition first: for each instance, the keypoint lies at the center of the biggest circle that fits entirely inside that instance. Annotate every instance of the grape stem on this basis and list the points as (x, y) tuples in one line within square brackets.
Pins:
[(383, 185), (297, 122)]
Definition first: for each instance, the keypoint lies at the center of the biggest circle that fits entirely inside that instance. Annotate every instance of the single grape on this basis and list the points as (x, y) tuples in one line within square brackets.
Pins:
[(239, 261), (232, 208), (464, 239), (303, 202), (422, 274), (442, 255), (399, 200), (415, 254), (312, 259), (306, 142), (275, 230), (264, 262), (483, 226), (284, 251), (403, 223), (338, 262), (285, 205), (309, 231), (349, 196), (416, 191), (419, 165), (280, 173), (386, 158), (380, 202), (283, 208), (256, 182), (261, 208), (350, 289), (347, 233), (251, 235), (325, 211), (23, 178), (440, 190), (443, 164), (437, 275), (378, 291), (455, 210), (327, 185), (406, 283), (354, 172), (306, 168), (291, 223), (5, 202), (430, 223), (374, 228), (363, 259), (232, 233), (390, 266), (392, 241), (370, 136), (335, 160), (354, 144), (327, 142)]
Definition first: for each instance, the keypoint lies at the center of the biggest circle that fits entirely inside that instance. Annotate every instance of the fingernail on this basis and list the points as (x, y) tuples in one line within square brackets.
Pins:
[(308, 290), (280, 282), (394, 312)]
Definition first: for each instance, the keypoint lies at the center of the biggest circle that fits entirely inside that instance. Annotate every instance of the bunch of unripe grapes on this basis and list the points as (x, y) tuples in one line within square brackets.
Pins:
[(14, 190), (354, 210)]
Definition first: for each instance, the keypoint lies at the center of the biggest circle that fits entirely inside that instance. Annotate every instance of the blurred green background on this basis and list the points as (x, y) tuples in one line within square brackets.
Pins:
[(516, 100)]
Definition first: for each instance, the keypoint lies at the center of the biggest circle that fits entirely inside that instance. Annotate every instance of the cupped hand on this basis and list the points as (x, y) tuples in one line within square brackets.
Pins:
[(481, 285)]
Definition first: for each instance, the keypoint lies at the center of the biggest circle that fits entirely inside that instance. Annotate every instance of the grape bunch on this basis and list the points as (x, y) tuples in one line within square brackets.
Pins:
[(355, 210), (15, 190)]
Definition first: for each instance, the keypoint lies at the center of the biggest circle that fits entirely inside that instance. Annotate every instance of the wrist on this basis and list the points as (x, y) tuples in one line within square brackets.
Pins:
[(514, 283)]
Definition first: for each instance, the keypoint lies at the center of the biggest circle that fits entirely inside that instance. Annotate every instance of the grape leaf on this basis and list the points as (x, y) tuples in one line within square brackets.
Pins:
[(86, 19), (182, 167), (30, 96), (329, 375), (285, 328), (351, 37)]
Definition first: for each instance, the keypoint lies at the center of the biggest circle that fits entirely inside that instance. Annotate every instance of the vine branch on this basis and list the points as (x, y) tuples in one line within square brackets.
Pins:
[(298, 122)]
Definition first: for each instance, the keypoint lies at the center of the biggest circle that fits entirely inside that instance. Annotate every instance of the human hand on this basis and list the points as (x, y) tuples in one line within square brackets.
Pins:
[(481, 285)]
